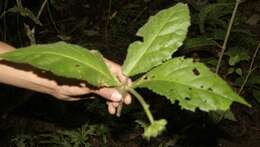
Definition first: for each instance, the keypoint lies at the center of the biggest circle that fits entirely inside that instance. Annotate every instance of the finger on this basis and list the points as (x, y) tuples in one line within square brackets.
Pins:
[(72, 99), (117, 70), (109, 93), (122, 78), (114, 67), (67, 98), (115, 104), (73, 90), (111, 108), (128, 99)]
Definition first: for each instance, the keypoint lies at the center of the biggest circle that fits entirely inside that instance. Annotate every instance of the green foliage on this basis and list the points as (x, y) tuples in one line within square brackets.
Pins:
[(197, 42), (66, 60), (64, 137), (154, 129), (24, 140), (162, 35), (25, 12), (217, 116), (213, 12), (178, 79), (192, 84), (253, 84), (75, 138), (236, 55), (212, 21)]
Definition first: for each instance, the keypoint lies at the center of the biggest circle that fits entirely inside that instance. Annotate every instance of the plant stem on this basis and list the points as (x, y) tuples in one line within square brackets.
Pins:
[(52, 19), (224, 46), (38, 17), (41, 9), (143, 103), (123, 92), (251, 69), (4, 21)]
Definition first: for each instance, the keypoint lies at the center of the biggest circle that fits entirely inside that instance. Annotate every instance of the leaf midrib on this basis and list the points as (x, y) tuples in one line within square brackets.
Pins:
[(71, 58), (186, 86), (147, 46)]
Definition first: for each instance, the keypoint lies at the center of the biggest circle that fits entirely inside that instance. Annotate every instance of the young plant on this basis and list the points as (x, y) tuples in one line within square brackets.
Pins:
[(180, 79)]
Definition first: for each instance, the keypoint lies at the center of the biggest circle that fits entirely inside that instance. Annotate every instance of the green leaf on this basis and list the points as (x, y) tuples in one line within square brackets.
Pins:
[(192, 84), (154, 129), (67, 60), (239, 71), (217, 116), (162, 35), (236, 55)]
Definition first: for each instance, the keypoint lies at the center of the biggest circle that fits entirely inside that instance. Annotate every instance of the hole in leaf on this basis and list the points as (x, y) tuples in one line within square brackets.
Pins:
[(210, 89), (164, 60), (187, 98), (195, 71)]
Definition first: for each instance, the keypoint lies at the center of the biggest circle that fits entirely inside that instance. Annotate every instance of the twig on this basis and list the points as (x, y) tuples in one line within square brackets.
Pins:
[(138, 16), (4, 21), (251, 69), (41, 9), (52, 20), (224, 46), (38, 16)]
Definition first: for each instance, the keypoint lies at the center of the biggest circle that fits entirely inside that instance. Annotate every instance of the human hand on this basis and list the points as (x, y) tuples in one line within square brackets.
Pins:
[(29, 79), (112, 95)]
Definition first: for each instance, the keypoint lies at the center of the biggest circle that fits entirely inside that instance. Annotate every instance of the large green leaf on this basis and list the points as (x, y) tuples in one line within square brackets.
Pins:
[(192, 84), (162, 35), (65, 60)]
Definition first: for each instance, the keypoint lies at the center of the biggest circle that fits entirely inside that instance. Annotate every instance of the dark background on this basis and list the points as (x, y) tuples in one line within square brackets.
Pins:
[(110, 26)]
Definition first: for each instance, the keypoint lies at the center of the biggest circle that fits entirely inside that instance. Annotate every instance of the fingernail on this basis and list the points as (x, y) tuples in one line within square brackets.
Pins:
[(116, 96)]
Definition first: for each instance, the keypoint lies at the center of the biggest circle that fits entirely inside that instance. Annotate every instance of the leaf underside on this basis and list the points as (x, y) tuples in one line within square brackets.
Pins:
[(66, 60), (190, 83), (162, 35)]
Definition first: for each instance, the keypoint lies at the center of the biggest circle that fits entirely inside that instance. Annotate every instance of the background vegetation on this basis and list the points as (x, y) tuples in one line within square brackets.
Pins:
[(33, 119)]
